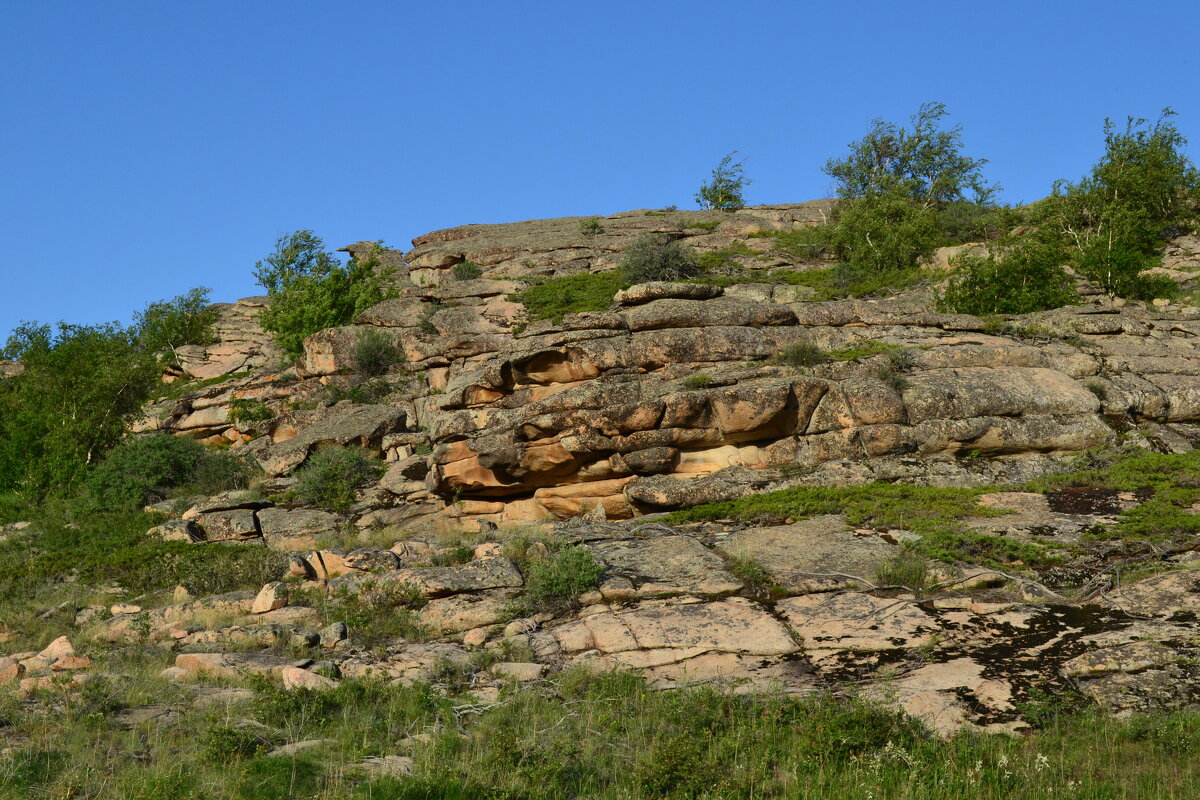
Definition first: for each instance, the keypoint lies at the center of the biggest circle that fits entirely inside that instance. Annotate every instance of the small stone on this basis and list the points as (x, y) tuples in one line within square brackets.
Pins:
[(296, 678), (71, 662), (272, 596), (125, 608), (334, 634), (518, 671), (89, 614), (488, 549), (520, 626), (10, 670), (388, 766), (295, 748), (59, 648), (1161, 302), (174, 674), (475, 637)]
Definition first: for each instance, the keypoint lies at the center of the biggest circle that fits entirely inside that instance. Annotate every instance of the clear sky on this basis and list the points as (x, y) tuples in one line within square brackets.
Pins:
[(153, 146)]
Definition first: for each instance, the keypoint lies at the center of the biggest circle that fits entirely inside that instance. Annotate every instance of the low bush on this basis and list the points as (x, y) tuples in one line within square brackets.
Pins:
[(311, 290), (243, 410), (556, 297), (801, 354), (147, 469), (1024, 277), (332, 477), (466, 271), (724, 190), (590, 226), (374, 353), (697, 381), (658, 257), (560, 578)]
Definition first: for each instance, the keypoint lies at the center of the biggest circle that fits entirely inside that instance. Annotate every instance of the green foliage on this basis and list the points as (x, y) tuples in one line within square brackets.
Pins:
[(167, 325), (590, 226), (1023, 276), (700, 381), (145, 469), (278, 779), (556, 297), (332, 477), (924, 164), (908, 568), (311, 290), (466, 271), (658, 257), (864, 349), (759, 582), (560, 578), (1113, 221), (249, 410), (707, 225), (98, 377), (801, 354), (374, 353), (723, 192), (224, 743), (713, 260), (884, 233), (112, 547)]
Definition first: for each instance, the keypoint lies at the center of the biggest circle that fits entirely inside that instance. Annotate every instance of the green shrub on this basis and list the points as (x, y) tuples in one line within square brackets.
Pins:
[(243, 410), (724, 191), (96, 378), (1113, 222), (560, 578), (166, 325), (708, 225), (590, 226), (801, 354), (884, 233), (713, 260), (374, 353), (697, 381), (145, 469), (1024, 277), (311, 290), (466, 271), (224, 743), (556, 297), (332, 477), (923, 164), (658, 257)]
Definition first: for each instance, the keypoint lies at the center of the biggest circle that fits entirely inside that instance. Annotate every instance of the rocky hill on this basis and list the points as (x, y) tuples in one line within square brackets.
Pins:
[(877, 422)]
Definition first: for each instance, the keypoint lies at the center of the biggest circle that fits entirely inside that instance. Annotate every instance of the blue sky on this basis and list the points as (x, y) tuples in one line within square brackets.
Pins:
[(154, 146)]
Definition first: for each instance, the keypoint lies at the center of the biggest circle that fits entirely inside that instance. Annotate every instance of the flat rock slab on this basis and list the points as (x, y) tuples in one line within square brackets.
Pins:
[(233, 665), (1164, 595), (296, 529), (496, 572), (151, 716), (462, 612), (657, 632), (857, 622), (935, 694), (802, 557), (663, 565)]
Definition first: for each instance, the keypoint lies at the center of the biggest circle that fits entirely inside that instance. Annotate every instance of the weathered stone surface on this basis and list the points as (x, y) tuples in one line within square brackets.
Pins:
[(659, 290), (813, 555), (462, 612), (656, 632), (297, 678), (296, 529), (474, 576), (1164, 595), (855, 621), (272, 596), (662, 565), (233, 665), (363, 426), (222, 526)]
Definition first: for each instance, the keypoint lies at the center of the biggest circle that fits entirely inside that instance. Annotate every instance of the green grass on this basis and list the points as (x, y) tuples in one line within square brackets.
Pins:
[(603, 737), (936, 514), (709, 225), (554, 298)]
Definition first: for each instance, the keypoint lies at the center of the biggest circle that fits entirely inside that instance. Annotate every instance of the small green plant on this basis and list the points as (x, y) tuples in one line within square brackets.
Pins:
[(590, 226), (466, 271), (146, 469), (332, 477), (311, 290), (707, 225), (375, 353), (658, 257), (909, 569), (1098, 389), (560, 578), (700, 381), (249, 410), (221, 744), (556, 297), (801, 354), (759, 583), (724, 191)]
